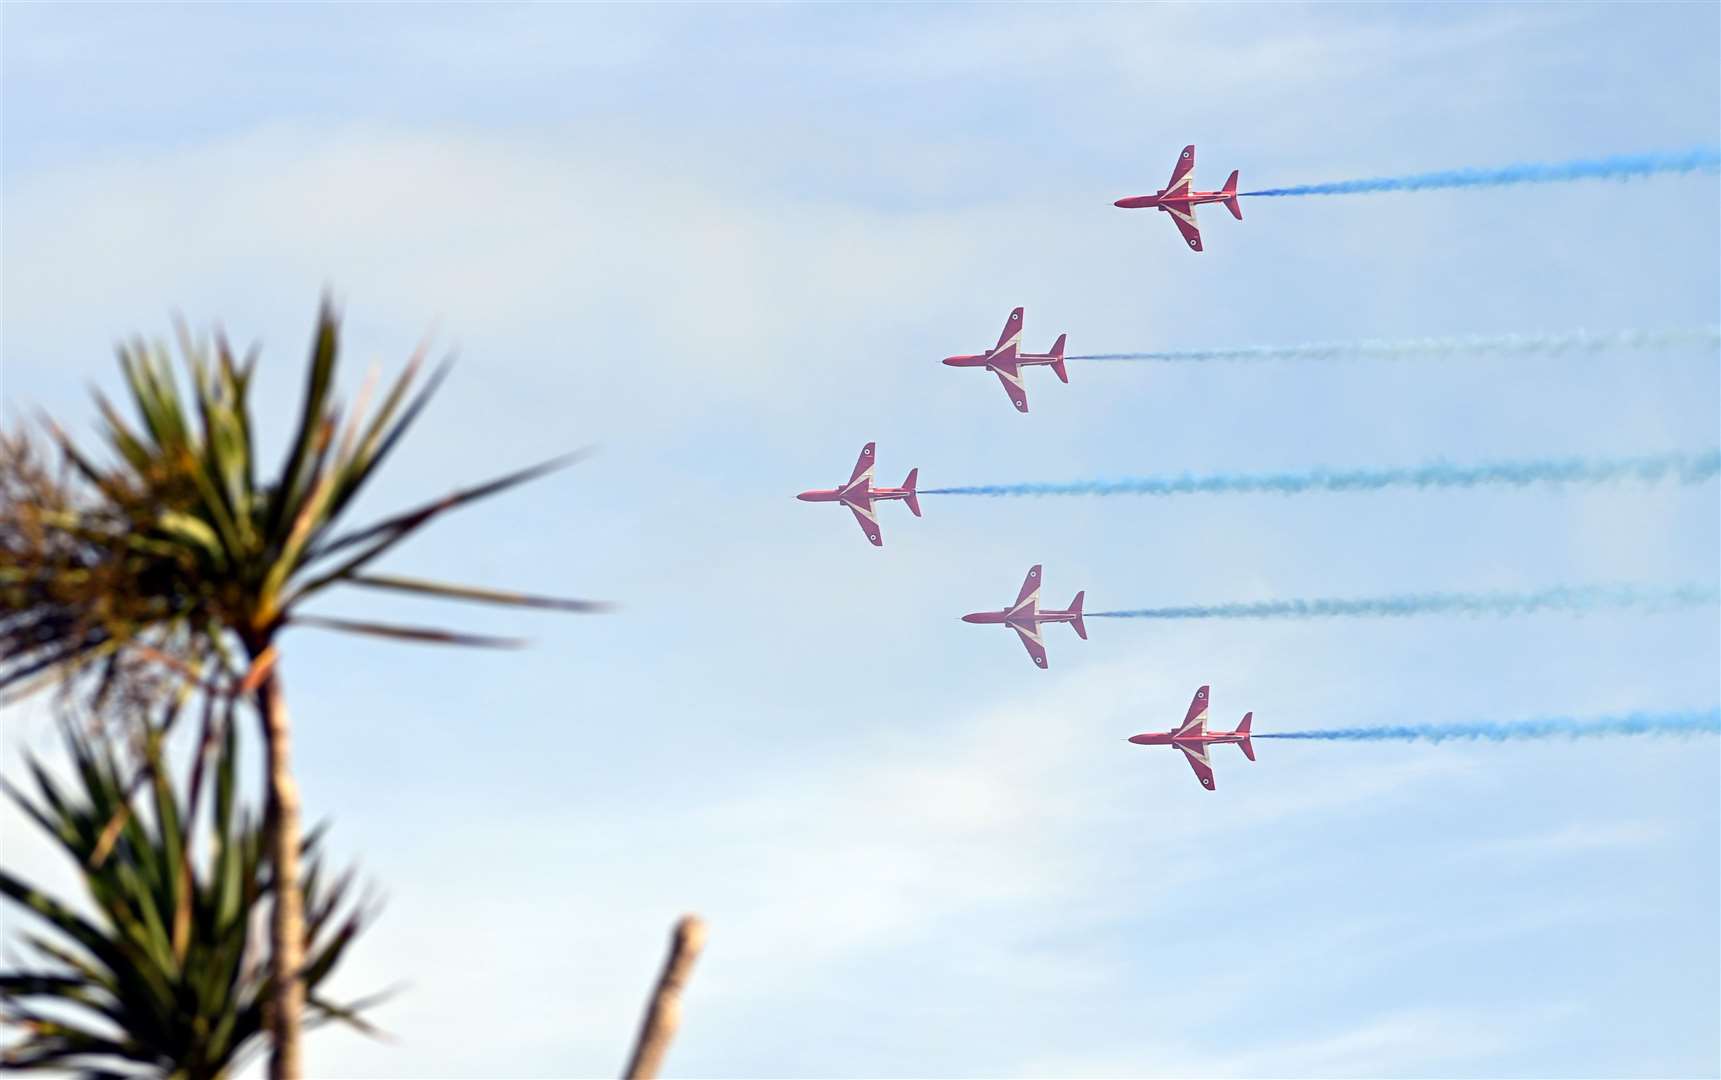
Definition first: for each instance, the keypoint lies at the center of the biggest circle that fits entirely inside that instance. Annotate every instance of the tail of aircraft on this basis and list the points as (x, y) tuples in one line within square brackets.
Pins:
[(1230, 190), (1076, 604), (913, 498), (1243, 728), (1058, 364)]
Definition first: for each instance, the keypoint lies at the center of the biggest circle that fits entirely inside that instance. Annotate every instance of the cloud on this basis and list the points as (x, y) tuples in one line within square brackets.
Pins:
[(653, 294), (837, 863), (1578, 838), (1396, 1043)]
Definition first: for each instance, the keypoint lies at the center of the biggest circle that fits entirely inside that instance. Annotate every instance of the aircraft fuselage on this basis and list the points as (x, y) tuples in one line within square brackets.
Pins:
[(863, 494), (1026, 619), (1160, 201), (1171, 738), (984, 360)]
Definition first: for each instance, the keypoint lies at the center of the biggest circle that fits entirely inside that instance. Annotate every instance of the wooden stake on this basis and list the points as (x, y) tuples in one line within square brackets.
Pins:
[(663, 1014)]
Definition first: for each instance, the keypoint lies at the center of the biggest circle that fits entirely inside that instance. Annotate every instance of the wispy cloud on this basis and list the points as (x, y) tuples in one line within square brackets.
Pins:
[(1578, 838)]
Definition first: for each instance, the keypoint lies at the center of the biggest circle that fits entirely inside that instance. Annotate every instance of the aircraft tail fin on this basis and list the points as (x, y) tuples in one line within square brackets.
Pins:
[(1076, 610), (1058, 364), (1230, 190), (913, 499), (1243, 730)]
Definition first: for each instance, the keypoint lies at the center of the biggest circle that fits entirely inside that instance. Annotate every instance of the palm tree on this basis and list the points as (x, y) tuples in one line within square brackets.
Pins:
[(166, 979), (175, 554)]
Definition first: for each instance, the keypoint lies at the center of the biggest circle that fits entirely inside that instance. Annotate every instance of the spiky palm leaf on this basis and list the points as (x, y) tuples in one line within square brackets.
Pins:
[(169, 978), (177, 538)]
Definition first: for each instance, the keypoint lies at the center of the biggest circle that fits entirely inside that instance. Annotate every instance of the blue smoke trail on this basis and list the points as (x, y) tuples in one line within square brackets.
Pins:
[(1617, 167), (1553, 727), (1577, 599), (1708, 338), (1683, 468)]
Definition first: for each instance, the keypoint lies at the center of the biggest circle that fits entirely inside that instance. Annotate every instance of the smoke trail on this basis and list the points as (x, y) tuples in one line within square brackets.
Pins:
[(1577, 599), (1617, 167), (1683, 468), (1435, 348), (1553, 727)]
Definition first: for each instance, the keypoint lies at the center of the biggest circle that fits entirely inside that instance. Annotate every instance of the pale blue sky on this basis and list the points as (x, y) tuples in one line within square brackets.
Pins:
[(729, 245)]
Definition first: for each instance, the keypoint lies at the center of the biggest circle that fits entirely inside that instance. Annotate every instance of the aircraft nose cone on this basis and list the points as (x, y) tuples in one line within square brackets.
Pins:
[(971, 618), (1124, 203), (805, 496)]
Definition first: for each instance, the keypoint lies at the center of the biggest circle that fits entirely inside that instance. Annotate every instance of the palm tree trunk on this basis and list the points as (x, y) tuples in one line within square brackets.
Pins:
[(287, 928)]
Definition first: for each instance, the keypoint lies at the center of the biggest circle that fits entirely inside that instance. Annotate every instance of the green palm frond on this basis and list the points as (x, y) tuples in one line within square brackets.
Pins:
[(174, 542), (166, 977)]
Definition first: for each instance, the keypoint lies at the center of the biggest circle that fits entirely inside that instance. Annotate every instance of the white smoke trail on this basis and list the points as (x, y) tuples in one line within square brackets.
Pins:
[(1576, 599), (1504, 345)]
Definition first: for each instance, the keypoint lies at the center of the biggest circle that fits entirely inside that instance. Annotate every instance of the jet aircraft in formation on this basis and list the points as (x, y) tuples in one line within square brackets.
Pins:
[(1193, 738), (1179, 200), (1026, 618), (859, 495), (1006, 360)]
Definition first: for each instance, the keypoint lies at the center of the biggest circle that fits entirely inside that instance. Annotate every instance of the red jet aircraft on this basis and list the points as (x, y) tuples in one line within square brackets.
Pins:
[(859, 495), (1180, 202), (1007, 361), (1193, 738), (1025, 617)]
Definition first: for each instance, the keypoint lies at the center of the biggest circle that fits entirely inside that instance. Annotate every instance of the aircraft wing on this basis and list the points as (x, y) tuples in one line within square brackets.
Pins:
[(864, 466), (1183, 173), (1035, 645), (1011, 377), (1030, 588), (1012, 333), (868, 522), (1185, 222), (1195, 720), (1198, 761)]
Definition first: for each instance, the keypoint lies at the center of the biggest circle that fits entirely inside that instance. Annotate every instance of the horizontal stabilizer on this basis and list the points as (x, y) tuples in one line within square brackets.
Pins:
[(1230, 190), (913, 498), (1243, 729), (1076, 610), (1058, 364)]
